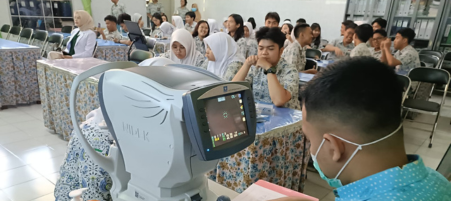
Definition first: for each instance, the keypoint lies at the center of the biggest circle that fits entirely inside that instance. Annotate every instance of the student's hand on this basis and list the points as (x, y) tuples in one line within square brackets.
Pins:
[(386, 43), (263, 63), (288, 36), (67, 57), (338, 52), (116, 40), (251, 61), (310, 71)]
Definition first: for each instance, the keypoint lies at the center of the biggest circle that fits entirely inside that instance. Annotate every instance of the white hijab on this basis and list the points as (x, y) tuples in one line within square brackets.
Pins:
[(136, 17), (251, 31), (178, 21), (225, 50), (185, 38), (214, 28), (224, 29), (167, 29), (156, 61)]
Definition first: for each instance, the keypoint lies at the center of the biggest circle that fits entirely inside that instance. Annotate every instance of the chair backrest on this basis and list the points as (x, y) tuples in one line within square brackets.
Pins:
[(5, 28), (434, 60), (66, 29), (140, 55), (40, 35), (147, 32), (26, 33), (15, 30), (64, 43), (429, 75), (446, 63), (95, 50), (55, 38), (313, 54), (405, 83), (431, 52), (310, 64), (422, 64)]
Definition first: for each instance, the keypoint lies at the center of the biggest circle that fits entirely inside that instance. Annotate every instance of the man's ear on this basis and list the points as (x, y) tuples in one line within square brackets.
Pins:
[(336, 146), (281, 51)]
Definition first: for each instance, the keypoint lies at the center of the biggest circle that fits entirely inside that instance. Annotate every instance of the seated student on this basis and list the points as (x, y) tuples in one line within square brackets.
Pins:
[(224, 60), (121, 20), (377, 24), (164, 17), (251, 42), (82, 40), (214, 27), (274, 80), (287, 29), (379, 36), (138, 18), (301, 21), (190, 23), (362, 34), (356, 136), (343, 27), (224, 25), (111, 32), (177, 21), (295, 52), (272, 19), (341, 47), (183, 49), (406, 58), (317, 43), (201, 31), (254, 25), (167, 29), (235, 26), (290, 37), (157, 21)]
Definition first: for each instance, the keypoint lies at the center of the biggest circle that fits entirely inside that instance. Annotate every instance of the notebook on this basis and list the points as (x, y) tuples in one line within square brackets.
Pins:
[(263, 190)]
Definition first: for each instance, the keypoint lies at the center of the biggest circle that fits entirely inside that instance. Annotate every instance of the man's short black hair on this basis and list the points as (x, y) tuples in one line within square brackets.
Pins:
[(287, 20), (273, 15), (381, 32), (274, 34), (110, 18), (301, 21), (364, 32), (191, 14), (122, 17), (407, 33), (347, 22), (300, 28), (351, 94), (381, 22), (351, 26)]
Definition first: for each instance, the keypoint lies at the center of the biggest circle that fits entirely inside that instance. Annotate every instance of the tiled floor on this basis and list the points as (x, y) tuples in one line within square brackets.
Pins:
[(30, 155)]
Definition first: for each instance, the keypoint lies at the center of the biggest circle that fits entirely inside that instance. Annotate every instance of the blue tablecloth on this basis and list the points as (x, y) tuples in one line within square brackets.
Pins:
[(7, 44), (281, 117)]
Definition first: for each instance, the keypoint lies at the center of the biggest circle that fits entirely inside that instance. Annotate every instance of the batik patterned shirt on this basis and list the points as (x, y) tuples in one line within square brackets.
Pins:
[(346, 49), (200, 45), (295, 54), (361, 50), (408, 57)]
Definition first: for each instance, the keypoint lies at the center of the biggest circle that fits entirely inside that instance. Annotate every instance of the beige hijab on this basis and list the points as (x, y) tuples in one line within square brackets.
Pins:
[(198, 15), (86, 22)]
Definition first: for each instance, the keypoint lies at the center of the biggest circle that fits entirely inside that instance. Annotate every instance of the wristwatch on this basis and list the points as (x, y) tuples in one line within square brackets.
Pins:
[(272, 70)]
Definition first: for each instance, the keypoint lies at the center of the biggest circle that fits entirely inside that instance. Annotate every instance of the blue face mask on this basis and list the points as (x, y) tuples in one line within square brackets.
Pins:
[(335, 182), (194, 9)]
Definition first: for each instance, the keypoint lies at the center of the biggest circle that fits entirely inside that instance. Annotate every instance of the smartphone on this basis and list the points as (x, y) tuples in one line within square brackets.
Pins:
[(98, 25)]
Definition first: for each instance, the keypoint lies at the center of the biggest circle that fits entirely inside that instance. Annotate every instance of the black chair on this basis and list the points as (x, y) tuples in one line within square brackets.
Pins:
[(66, 29), (138, 56), (25, 36), (310, 64), (430, 59), (313, 54), (422, 64), (64, 43), (95, 50), (54, 40), (427, 75), (431, 52), (405, 84), (147, 32), (5, 29), (39, 39), (15, 30)]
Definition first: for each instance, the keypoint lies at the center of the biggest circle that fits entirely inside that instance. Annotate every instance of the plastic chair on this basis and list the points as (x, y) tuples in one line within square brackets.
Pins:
[(66, 29), (41, 36), (5, 29), (26, 34), (55, 40), (310, 64), (431, 52), (147, 32), (405, 83), (431, 59), (15, 30), (427, 75), (313, 54), (64, 43), (138, 56), (95, 50)]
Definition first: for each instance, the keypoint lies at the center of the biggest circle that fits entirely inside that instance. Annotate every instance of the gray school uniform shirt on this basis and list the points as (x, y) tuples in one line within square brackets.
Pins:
[(345, 49)]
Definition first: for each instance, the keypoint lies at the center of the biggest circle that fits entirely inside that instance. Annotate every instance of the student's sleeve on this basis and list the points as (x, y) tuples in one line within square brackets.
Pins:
[(232, 70), (200, 60), (204, 65), (250, 75), (290, 81), (89, 48), (407, 59)]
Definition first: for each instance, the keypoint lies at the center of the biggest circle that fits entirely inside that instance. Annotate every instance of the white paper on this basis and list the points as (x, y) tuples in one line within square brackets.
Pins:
[(306, 77), (405, 23), (31, 4), (55, 5), (429, 28), (423, 26), (407, 7), (258, 193), (417, 28)]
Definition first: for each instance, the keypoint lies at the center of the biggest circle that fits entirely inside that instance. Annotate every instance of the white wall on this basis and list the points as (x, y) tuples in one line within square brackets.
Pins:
[(5, 17), (328, 13)]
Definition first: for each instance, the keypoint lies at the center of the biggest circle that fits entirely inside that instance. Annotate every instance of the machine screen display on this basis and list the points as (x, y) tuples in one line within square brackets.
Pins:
[(226, 118)]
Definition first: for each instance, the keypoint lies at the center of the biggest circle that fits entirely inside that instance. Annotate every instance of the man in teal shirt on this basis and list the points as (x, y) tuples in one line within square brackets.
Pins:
[(352, 117)]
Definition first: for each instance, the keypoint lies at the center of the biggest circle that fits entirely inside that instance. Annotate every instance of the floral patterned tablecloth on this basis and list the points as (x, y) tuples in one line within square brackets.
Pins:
[(55, 80), (112, 53), (279, 154), (18, 79)]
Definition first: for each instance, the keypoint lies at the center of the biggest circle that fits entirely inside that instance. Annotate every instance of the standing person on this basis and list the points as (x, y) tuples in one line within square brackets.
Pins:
[(183, 49), (111, 32), (82, 40), (224, 60), (177, 21), (341, 47), (190, 23), (274, 80), (362, 34), (254, 25), (182, 10), (379, 36), (406, 58), (121, 20), (251, 42), (157, 21), (138, 18), (196, 11), (317, 43), (272, 19), (153, 8), (164, 17), (295, 53), (214, 27), (379, 23), (201, 31), (235, 26), (117, 8)]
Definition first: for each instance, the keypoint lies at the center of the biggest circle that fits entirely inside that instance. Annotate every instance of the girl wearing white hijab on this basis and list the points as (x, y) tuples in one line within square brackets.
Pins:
[(167, 29), (156, 61), (224, 58), (138, 19), (250, 40), (83, 39), (177, 21), (214, 28), (183, 49)]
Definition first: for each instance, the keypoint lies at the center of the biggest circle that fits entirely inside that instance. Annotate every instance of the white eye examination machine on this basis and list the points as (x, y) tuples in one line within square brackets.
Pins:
[(170, 125)]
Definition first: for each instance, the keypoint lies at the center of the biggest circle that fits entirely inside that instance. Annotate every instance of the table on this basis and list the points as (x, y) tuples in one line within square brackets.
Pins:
[(279, 154), (111, 51), (55, 80), (324, 63), (18, 79)]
